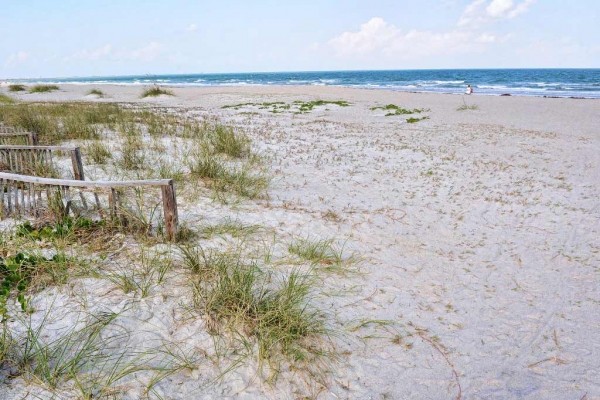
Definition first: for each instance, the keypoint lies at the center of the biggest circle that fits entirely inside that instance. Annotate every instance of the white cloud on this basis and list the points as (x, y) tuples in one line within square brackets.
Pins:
[(148, 52), (192, 28), (16, 58), (92, 55), (482, 11), (378, 37)]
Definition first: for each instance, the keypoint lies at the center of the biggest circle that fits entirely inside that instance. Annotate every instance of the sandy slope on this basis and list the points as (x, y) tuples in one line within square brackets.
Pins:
[(479, 232)]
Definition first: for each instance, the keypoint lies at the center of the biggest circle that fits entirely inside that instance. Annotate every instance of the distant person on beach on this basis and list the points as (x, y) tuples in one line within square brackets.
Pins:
[(469, 90)]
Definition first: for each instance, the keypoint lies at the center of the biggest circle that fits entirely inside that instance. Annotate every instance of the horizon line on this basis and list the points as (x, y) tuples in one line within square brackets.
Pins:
[(302, 71)]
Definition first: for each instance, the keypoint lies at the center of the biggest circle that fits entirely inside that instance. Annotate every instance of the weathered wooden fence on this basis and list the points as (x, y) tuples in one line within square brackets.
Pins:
[(30, 159), (23, 194), (8, 137)]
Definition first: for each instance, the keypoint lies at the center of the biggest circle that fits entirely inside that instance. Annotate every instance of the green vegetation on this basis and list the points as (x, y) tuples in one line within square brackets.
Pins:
[(96, 92), (209, 153), (413, 120), (4, 99), (17, 273), (307, 106), (234, 228), (222, 272), (156, 91), (43, 88), (236, 298), (67, 227), (397, 110), (226, 140), (264, 105), (297, 107), (466, 107), (97, 152), (16, 88), (322, 254), (243, 180)]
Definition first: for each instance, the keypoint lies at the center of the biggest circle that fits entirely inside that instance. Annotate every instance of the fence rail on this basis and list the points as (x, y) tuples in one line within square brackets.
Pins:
[(28, 159), (22, 194), (8, 137)]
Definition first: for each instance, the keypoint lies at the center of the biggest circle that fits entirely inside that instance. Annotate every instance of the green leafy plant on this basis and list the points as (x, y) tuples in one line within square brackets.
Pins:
[(413, 120), (397, 110), (307, 106), (16, 274)]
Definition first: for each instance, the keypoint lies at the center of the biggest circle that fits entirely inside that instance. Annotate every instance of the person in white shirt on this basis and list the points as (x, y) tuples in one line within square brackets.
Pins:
[(469, 90)]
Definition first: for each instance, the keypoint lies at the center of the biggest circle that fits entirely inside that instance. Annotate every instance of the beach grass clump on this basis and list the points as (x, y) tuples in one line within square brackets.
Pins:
[(43, 88), (16, 88), (237, 298), (97, 152), (91, 359), (4, 99), (243, 179), (96, 92), (55, 122), (227, 141), (393, 109), (320, 253), (156, 91), (133, 155)]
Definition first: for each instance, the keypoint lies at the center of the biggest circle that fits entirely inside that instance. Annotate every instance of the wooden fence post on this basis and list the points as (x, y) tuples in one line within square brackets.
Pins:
[(77, 164), (33, 139), (170, 210)]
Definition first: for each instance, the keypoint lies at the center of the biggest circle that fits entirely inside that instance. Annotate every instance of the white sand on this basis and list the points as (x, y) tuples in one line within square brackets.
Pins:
[(479, 231)]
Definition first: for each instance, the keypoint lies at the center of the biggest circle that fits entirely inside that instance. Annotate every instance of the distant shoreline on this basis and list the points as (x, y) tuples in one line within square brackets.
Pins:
[(561, 83)]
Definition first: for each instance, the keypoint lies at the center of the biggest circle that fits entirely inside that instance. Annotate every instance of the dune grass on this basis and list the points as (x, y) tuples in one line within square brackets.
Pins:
[(4, 99), (96, 92), (239, 302), (323, 254), (228, 226), (43, 88), (156, 91), (97, 152), (16, 88), (253, 312), (211, 153)]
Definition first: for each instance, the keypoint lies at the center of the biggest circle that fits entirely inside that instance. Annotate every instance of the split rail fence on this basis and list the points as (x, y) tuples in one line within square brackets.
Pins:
[(29, 195), (24, 194), (28, 159)]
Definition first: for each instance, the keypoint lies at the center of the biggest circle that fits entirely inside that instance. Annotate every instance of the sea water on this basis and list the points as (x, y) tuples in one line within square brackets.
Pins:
[(523, 82)]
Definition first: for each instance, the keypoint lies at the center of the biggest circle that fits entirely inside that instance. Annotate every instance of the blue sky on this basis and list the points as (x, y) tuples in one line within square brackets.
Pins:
[(41, 38)]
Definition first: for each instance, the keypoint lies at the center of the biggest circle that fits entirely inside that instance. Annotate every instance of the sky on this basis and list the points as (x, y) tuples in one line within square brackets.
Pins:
[(68, 38)]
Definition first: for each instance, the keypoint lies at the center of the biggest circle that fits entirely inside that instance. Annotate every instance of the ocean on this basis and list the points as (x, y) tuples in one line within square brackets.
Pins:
[(516, 82)]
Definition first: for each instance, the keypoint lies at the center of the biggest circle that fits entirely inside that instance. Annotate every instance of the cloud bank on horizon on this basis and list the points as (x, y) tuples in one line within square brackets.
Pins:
[(237, 37)]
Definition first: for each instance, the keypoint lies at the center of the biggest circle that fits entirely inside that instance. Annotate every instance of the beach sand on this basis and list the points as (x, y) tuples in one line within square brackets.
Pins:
[(478, 233)]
